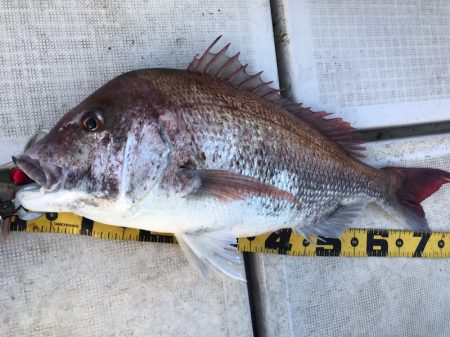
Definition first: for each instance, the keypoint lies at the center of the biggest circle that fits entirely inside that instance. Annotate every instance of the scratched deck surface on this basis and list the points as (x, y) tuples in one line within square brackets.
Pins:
[(53, 54)]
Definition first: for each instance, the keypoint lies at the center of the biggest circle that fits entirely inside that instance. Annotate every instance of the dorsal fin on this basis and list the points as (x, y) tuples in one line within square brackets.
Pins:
[(228, 68)]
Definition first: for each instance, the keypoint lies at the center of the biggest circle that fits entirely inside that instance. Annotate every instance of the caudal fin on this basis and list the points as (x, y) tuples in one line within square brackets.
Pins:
[(410, 186)]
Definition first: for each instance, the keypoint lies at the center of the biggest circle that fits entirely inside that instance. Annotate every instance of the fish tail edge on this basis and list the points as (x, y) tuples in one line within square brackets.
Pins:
[(409, 187)]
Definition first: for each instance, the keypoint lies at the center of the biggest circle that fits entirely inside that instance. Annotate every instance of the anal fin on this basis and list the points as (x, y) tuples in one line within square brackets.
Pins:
[(212, 249), (334, 225)]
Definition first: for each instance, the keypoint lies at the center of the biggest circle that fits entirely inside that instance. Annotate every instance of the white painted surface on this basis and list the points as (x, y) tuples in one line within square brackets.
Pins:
[(332, 296), (64, 285), (55, 53), (327, 296), (377, 64)]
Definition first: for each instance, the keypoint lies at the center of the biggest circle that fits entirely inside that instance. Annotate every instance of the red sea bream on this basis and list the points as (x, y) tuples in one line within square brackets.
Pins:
[(212, 153)]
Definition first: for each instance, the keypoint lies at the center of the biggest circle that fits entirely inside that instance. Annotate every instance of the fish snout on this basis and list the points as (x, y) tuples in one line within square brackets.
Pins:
[(47, 175)]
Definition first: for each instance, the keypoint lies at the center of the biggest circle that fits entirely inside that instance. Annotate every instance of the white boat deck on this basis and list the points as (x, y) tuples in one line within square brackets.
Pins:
[(377, 66)]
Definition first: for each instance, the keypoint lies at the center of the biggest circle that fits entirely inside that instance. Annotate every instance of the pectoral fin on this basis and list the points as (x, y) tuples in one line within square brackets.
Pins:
[(229, 186), (206, 249)]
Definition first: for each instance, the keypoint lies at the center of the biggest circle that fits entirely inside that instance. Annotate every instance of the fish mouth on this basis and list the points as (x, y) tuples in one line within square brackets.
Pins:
[(46, 175)]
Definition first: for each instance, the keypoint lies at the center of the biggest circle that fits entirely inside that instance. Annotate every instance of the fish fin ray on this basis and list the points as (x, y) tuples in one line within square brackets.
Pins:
[(414, 186), (229, 186), (334, 225), (304, 233), (229, 68), (212, 249), (193, 259)]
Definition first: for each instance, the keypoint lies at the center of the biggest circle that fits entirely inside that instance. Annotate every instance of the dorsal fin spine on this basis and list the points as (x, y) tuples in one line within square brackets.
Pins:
[(207, 51), (224, 66), (260, 86), (274, 91), (252, 77), (237, 72), (221, 52), (191, 65), (279, 100), (229, 69)]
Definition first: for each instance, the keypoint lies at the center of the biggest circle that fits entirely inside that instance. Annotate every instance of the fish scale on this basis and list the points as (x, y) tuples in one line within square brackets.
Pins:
[(212, 153), (214, 125)]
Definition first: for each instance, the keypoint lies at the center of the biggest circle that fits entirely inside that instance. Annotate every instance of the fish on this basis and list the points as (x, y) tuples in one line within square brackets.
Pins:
[(213, 153)]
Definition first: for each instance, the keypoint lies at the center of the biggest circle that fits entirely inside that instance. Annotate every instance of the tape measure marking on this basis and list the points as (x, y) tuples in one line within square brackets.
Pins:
[(353, 243)]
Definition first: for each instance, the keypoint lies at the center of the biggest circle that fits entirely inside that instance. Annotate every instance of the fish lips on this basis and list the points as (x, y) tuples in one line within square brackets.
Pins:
[(48, 176)]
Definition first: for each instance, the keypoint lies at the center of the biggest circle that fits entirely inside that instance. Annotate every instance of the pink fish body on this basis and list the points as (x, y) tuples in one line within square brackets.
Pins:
[(210, 154)]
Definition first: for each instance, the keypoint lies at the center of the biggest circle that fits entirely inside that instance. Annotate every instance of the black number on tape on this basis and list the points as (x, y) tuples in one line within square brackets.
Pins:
[(87, 226), (425, 236), (376, 246), (328, 247), (279, 240), (19, 225)]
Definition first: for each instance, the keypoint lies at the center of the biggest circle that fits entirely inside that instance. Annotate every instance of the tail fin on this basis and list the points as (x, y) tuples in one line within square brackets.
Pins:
[(409, 188)]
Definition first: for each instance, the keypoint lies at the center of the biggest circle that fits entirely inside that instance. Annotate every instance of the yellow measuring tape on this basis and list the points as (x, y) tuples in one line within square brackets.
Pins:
[(354, 242)]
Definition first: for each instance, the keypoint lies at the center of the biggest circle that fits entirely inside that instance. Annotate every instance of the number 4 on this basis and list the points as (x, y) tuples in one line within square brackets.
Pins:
[(279, 240)]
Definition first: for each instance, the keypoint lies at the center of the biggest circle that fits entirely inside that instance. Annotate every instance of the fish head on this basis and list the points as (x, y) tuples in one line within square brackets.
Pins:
[(107, 147)]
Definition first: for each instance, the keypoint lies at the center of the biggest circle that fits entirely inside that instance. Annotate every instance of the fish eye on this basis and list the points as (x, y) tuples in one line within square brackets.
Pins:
[(92, 120)]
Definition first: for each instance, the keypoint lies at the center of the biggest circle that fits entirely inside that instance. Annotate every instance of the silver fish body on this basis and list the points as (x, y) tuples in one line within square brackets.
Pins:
[(211, 154)]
